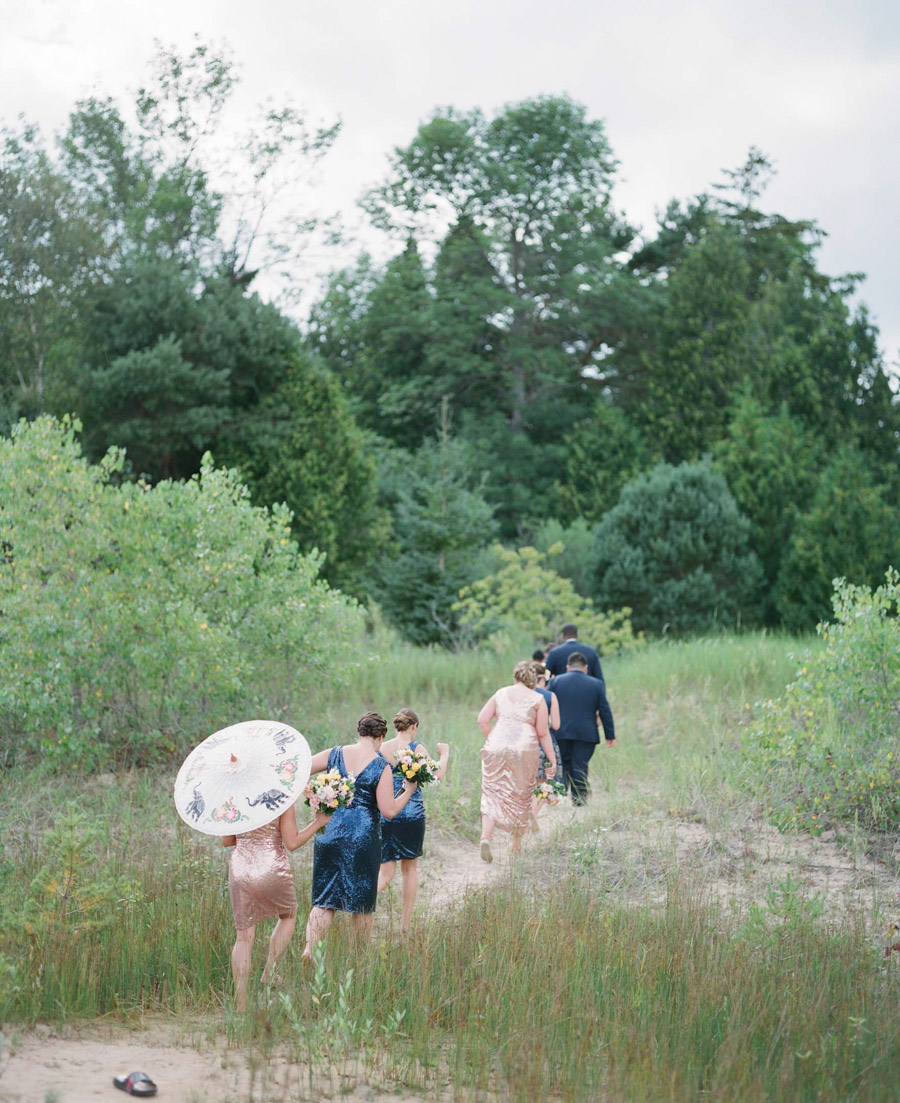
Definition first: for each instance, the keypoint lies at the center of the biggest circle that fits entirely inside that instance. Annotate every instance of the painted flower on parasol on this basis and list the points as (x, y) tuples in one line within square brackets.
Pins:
[(242, 777)]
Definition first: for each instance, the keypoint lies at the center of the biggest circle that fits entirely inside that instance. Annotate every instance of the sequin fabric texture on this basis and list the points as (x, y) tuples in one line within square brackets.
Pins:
[(260, 881), (403, 837), (510, 759), (347, 855)]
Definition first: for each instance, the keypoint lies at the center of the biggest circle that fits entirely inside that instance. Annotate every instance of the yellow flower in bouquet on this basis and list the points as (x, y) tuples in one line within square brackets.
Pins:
[(329, 790), (415, 765)]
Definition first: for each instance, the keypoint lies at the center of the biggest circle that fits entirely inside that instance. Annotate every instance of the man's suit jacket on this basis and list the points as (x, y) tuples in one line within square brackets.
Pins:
[(580, 698), (558, 656)]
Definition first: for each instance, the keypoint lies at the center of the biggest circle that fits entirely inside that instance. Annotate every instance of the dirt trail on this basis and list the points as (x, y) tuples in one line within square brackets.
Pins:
[(631, 857)]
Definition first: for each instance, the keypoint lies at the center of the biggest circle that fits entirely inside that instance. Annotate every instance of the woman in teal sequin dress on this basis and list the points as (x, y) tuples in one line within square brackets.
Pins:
[(402, 838), (347, 855)]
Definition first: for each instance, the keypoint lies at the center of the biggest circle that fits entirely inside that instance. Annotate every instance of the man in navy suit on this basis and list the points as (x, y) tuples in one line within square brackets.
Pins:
[(583, 707), (558, 657)]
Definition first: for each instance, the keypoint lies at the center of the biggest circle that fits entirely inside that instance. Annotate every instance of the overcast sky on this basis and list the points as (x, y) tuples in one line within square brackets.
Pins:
[(684, 89)]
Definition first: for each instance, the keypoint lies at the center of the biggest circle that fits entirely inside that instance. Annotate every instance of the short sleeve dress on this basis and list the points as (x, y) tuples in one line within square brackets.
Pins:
[(347, 854), (403, 837)]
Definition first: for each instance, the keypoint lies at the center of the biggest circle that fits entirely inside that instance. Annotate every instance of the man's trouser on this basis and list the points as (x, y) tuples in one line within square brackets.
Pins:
[(576, 754)]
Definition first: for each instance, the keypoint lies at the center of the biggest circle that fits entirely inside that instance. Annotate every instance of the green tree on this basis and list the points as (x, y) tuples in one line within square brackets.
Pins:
[(528, 289), (601, 454), (50, 253), (850, 530), (301, 446), (772, 466), (675, 550), (440, 522), (745, 309), (570, 549)]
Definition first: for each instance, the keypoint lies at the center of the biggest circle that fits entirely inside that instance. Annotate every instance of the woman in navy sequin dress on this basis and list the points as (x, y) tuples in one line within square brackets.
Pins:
[(402, 838), (347, 855)]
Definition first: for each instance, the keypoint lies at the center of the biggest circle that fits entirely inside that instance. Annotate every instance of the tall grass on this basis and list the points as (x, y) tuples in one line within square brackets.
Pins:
[(538, 988)]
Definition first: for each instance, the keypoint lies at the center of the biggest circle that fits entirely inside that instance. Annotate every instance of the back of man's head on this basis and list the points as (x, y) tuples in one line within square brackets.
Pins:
[(576, 661), (569, 631)]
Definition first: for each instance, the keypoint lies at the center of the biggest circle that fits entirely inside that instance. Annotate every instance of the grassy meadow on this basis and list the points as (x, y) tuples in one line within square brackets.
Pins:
[(549, 984)]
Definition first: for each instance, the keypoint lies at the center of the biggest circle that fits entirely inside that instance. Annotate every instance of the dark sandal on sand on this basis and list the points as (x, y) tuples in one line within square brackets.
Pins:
[(135, 1083)]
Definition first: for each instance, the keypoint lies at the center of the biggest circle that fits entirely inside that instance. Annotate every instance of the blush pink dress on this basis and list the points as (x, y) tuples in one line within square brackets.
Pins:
[(510, 758), (260, 881)]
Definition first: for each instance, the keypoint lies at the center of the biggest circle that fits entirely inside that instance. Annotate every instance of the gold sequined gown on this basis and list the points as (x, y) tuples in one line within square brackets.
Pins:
[(260, 881), (510, 759)]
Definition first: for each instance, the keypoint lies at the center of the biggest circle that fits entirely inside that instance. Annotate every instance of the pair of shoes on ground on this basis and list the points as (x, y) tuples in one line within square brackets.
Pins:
[(135, 1083)]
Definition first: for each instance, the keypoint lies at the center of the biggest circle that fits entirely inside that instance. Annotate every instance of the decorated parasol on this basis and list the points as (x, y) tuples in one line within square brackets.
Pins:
[(242, 777)]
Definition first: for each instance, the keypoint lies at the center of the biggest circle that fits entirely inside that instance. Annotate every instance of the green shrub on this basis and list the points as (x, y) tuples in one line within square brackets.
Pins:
[(524, 596), (676, 551), (135, 619), (828, 750)]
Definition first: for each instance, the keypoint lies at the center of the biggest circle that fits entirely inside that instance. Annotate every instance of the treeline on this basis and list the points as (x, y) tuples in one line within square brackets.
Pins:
[(696, 424)]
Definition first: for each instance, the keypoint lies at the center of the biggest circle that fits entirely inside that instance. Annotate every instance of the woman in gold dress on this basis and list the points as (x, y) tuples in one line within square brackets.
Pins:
[(510, 756), (261, 885)]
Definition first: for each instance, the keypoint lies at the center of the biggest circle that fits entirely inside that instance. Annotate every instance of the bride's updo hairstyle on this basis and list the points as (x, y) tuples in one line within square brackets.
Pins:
[(405, 719), (371, 726), (525, 673)]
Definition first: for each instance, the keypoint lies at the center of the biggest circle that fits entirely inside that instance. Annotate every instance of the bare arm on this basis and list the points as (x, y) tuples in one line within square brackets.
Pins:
[(294, 837), (554, 712), (319, 761), (541, 726), (388, 804), (487, 714), (443, 759)]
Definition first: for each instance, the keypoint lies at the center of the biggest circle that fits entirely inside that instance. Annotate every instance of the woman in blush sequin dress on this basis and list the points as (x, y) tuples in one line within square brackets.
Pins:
[(510, 756), (403, 837), (347, 854), (261, 885)]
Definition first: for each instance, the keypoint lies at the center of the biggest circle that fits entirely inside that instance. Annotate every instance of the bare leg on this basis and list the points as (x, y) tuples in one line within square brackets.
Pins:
[(362, 925), (240, 966), (487, 830), (410, 869), (386, 874), (316, 928), (284, 928), (517, 841)]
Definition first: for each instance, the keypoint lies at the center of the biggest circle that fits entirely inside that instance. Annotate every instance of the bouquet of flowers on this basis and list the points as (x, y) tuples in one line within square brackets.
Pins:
[(549, 791), (417, 766), (329, 790)]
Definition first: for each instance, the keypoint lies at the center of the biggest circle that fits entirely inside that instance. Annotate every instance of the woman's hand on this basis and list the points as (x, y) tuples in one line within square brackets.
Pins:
[(409, 786), (443, 748), (550, 771), (321, 819)]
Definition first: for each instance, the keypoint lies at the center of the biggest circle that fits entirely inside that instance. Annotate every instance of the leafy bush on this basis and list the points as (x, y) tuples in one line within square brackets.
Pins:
[(828, 750), (675, 550), (525, 596), (135, 619), (573, 550)]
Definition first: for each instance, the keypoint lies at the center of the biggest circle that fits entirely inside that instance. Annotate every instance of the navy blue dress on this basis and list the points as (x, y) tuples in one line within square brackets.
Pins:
[(347, 854), (403, 837), (545, 761)]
